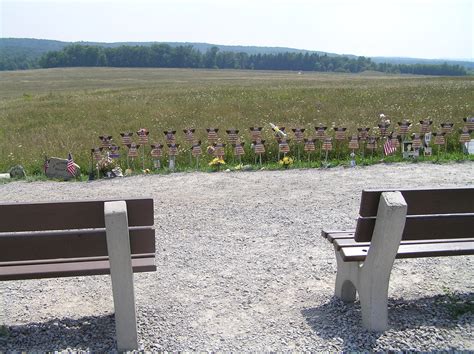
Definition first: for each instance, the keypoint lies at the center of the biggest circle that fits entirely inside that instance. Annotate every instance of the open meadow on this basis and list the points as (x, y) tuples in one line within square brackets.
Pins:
[(56, 111)]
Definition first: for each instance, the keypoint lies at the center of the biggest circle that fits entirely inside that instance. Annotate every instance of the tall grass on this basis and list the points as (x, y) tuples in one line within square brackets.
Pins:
[(52, 112)]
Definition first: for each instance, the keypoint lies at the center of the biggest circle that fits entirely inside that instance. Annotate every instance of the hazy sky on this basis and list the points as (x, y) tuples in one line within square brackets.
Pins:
[(411, 28)]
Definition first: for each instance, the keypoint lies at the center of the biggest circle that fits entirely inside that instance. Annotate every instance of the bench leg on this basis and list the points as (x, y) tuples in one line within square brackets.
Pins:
[(118, 246), (375, 273), (345, 279)]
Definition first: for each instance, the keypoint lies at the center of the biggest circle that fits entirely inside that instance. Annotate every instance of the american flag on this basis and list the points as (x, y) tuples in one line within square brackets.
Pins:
[(71, 167), (389, 148)]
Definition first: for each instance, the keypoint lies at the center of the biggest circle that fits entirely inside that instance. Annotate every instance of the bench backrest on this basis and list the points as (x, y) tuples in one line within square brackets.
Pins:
[(432, 214), (40, 233)]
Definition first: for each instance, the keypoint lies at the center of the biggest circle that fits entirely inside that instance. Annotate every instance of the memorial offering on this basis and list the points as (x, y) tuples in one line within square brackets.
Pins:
[(126, 138), (219, 150), (279, 131), (212, 135)]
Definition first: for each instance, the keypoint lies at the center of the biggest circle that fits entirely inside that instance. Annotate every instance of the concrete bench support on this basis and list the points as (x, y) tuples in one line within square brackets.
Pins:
[(118, 245), (371, 277)]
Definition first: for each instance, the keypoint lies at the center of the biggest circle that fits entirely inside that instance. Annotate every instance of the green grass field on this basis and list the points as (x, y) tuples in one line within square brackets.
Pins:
[(52, 112)]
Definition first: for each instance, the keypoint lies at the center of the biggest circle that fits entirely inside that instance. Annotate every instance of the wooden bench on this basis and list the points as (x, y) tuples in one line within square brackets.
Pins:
[(398, 224), (77, 238)]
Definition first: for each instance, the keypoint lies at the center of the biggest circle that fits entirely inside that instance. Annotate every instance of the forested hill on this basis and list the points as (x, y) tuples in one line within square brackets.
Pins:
[(33, 53)]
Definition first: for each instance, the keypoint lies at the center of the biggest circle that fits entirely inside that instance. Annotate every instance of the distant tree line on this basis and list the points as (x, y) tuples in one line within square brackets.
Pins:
[(166, 56)]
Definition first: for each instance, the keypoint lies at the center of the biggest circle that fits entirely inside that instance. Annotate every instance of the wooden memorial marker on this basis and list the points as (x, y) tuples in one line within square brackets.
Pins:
[(196, 151), (156, 154), (309, 147), (283, 147), (239, 150), (170, 137), (143, 136), (446, 128), (126, 138), (340, 133), (189, 135), (232, 136), (354, 142), (106, 141), (371, 144), (132, 153), (320, 132), (327, 146), (114, 151), (97, 153), (172, 153), (439, 139), (256, 133), (403, 127), (219, 151), (363, 133), (469, 123), (416, 141), (383, 128), (299, 138), (395, 139), (259, 149), (299, 134), (212, 135), (425, 126)]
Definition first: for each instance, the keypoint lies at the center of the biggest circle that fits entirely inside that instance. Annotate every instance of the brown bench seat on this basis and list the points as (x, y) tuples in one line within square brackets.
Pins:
[(398, 224)]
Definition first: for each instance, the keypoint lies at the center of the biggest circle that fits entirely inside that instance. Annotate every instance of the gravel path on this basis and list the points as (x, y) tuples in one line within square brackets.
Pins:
[(242, 266)]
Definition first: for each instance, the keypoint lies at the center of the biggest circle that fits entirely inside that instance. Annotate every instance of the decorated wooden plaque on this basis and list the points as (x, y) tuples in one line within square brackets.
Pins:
[(256, 133), (259, 147), (126, 138), (143, 136), (327, 144), (114, 151), (309, 145), (469, 123), (97, 153), (371, 143), (354, 142), (156, 150), (446, 128), (363, 133), (219, 149), (439, 138), (403, 127), (383, 128), (395, 139), (105, 141), (196, 149), (340, 133), (299, 134), (416, 141), (320, 132), (189, 134), (283, 146), (212, 134), (170, 136), (173, 149), (239, 149), (425, 126), (133, 150), (232, 135), (465, 136)]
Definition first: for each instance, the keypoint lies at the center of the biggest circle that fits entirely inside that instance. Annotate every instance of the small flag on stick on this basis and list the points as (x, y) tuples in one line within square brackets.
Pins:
[(71, 167), (389, 147)]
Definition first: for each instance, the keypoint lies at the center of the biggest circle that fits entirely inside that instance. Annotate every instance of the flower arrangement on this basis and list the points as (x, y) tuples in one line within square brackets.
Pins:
[(109, 167), (217, 163), (286, 162)]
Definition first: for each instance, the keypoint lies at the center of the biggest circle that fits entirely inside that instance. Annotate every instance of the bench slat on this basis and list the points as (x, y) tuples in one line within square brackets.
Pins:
[(422, 227), (70, 269), (350, 242), (69, 215), (69, 244), (352, 254), (328, 233), (423, 201)]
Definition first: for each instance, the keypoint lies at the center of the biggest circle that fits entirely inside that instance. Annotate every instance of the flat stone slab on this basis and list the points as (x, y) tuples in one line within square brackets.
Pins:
[(57, 168)]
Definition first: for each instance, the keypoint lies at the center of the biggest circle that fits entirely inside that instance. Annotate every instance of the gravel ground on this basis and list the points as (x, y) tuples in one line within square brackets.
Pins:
[(242, 266)]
